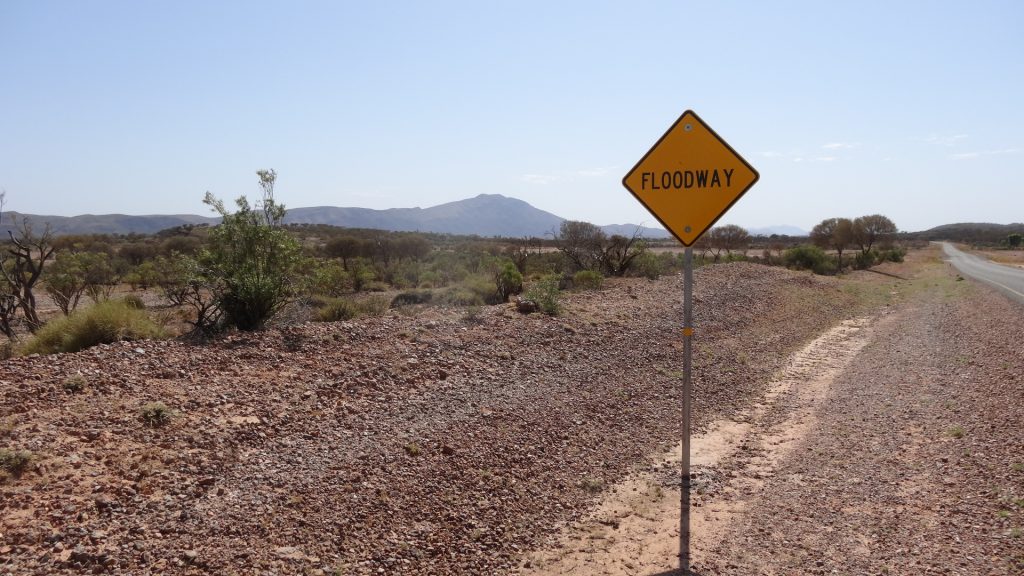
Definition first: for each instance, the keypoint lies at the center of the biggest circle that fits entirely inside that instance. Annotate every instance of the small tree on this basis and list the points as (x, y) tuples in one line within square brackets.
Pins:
[(729, 238), (250, 258), (21, 266), (619, 253), (582, 243), (867, 230), (344, 247), (184, 283), (508, 281), (65, 280), (834, 233), (1014, 240)]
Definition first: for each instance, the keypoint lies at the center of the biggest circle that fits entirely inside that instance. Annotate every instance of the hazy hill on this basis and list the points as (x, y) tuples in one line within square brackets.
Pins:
[(983, 232), (782, 230), (483, 215), (104, 223)]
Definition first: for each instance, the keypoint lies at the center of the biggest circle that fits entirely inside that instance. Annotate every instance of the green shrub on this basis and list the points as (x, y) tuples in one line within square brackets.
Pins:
[(14, 462), (361, 274), (338, 309), (411, 297), (134, 301), (807, 257), (483, 287), (374, 305), (104, 323), (545, 294), (331, 279), (648, 265), (892, 255), (508, 281), (865, 260), (458, 296), (155, 414), (251, 259), (587, 280)]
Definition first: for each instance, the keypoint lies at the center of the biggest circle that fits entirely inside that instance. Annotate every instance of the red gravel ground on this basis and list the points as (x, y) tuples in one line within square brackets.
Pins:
[(426, 444)]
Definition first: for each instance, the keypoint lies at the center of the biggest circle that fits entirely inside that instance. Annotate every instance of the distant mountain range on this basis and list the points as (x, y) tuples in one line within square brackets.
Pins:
[(483, 215)]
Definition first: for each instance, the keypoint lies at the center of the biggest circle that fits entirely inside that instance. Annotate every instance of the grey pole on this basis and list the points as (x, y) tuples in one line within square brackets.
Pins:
[(684, 485)]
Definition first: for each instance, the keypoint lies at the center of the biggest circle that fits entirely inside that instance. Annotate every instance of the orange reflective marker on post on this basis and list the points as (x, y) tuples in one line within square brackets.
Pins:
[(689, 178)]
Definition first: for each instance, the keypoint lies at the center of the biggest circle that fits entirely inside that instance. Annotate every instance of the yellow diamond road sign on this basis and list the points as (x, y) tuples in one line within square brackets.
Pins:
[(689, 178)]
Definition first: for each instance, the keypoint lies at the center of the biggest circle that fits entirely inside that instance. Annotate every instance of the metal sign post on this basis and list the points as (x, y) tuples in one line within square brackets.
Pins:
[(684, 484), (688, 180)]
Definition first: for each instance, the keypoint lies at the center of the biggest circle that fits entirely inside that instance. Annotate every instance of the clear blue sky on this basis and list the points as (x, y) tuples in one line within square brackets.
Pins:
[(911, 109)]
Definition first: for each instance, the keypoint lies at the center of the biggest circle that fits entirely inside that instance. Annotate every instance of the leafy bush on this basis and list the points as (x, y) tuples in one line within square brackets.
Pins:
[(508, 281), (587, 280), (892, 255), (251, 259), (648, 265), (104, 323), (330, 279), (361, 274), (806, 257), (545, 294), (143, 276)]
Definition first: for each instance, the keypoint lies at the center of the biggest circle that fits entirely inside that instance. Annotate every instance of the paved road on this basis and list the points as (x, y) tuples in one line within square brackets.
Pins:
[(1007, 279)]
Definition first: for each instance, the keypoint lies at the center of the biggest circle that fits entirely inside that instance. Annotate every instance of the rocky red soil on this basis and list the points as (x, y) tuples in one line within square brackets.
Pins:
[(916, 463), (423, 444), (892, 444)]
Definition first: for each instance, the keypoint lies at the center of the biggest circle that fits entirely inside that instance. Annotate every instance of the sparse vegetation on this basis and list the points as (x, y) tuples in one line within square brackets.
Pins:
[(155, 414), (545, 294), (956, 432), (104, 323), (587, 280), (807, 257), (74, 384), (14, 462), (134, 301), (592, 485), (339, 309)]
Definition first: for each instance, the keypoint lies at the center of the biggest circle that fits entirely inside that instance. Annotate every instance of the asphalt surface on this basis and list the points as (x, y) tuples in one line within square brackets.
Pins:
[(1007, 279)]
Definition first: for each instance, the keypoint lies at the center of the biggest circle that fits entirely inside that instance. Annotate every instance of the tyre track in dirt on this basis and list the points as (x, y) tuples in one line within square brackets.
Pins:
[(635, 530)]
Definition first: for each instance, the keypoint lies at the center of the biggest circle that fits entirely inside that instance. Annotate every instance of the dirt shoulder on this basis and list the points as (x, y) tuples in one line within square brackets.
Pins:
[(897, 451), (424, 444)]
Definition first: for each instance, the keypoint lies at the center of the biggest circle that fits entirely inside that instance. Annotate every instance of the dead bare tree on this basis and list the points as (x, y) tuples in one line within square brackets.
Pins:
[(619, 252), (21, 265)]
